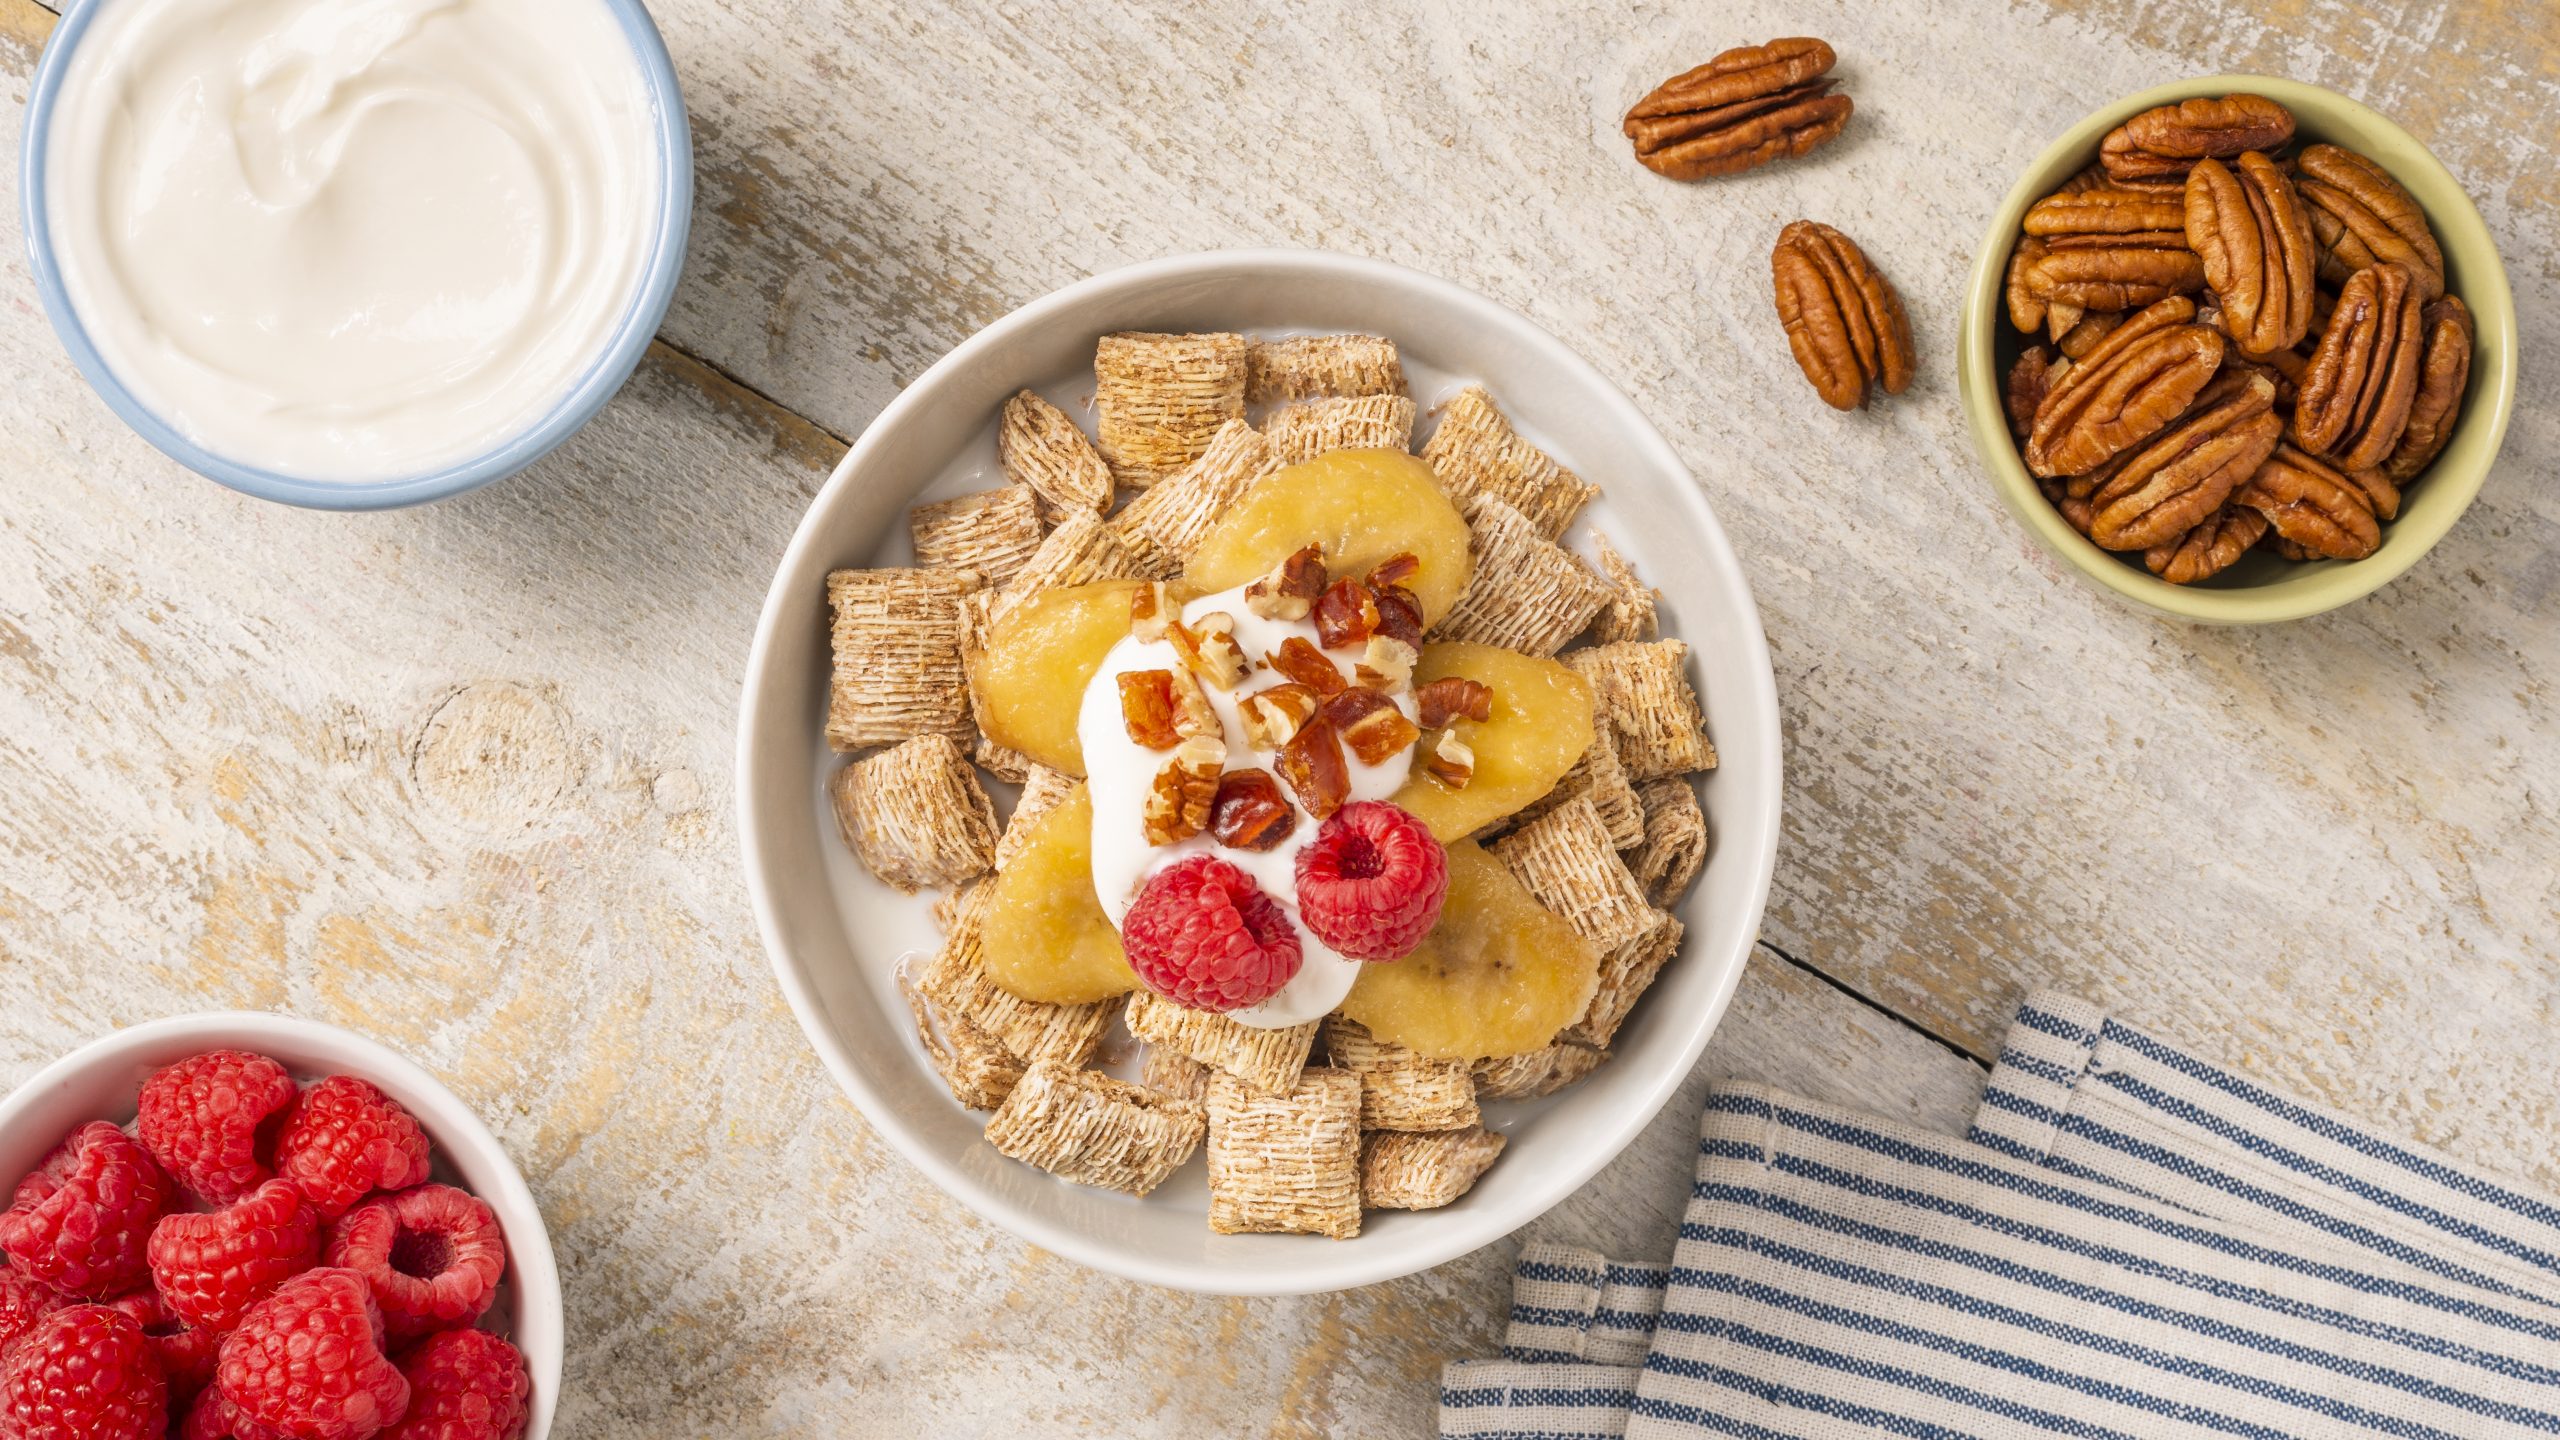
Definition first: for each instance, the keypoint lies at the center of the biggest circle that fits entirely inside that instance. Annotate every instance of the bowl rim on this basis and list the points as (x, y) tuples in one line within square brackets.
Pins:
[(2492, 304), (1327, 1268), (529, 1252), (661, 266)]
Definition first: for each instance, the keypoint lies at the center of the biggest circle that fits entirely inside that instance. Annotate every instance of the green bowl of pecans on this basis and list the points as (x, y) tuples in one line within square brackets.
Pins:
[(2279, 406)]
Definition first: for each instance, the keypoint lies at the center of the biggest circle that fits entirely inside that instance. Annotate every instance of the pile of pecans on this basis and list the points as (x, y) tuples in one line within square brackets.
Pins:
[(2242, 346)]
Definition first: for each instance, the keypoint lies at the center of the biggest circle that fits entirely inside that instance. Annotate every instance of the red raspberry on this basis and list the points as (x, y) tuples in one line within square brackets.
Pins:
[(1202, 934), (82, 1219), (85, 1372), (308, 1361), (22, 1303), (346, 1139), (186, 1353), (1371, 884), (464, 1385), (215, 1418), (433, 1256), (212, 1267), (201, 1120)]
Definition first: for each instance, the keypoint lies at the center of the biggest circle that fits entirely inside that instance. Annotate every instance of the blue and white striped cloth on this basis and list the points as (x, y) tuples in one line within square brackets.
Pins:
[(2135, 1243)]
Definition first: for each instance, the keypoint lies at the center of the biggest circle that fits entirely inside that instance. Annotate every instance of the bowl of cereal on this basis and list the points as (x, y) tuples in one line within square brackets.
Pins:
[(1353, 899), (2237, 349)]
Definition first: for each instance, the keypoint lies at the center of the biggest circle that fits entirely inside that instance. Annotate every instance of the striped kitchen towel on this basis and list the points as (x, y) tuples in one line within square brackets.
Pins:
[(1580, 1328)]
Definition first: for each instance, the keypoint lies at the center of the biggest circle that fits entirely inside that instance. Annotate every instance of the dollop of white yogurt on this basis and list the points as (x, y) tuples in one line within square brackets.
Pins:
[(1119, 773)]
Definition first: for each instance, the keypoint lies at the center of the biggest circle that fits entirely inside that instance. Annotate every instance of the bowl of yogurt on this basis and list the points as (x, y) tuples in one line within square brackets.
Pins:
[(356, 254)]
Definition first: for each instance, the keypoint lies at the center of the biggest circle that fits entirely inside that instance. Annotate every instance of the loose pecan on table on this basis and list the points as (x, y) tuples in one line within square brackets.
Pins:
[(2129, 388), (2208, 549), (2358, 389), (2245, 223), (2362, 217), (2444, 370), (1843, 320), (1740, 110), (2311, 503), (2178, 480), (2163, 142)]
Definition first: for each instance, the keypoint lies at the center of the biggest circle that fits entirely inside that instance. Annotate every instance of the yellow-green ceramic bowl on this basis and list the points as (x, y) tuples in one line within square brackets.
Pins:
[(2262, 587)]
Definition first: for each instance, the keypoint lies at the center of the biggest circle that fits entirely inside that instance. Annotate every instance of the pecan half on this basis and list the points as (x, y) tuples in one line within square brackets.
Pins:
[(2074, 508), (2362, 217), (2026, 307), (2246, 224), (2361, 383), (2311, 504), (1742, 109), (2029, 378), (1843, 320), (2127, 390), (2114, 276), (2174, 483), (2444, 371), (2076, 342), (2210, 548), (2105, 210), (2162, 142)]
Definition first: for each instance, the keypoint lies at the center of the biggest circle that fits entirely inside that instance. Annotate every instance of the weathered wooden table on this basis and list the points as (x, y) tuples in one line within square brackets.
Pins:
[(458, 777)]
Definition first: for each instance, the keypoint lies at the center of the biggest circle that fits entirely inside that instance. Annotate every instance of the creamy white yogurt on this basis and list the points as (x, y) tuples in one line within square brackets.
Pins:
[(1119, 773), (351, 240)]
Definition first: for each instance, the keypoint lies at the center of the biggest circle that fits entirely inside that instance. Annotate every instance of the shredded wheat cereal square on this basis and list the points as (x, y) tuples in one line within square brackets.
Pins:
[(1306, 366), (1566, 859), (1043, 790), (1040, 447), (1600, 777), (1159, 400), (1288, 1162), (916, 814), (1083, 549), (1400, 1089), (1084, 1126), (1164, 524), (1626, 972), (989, 531), (970, 1059), (1527, 595), (1175, 1073), (1476, 452), (1643, 689), (896, 638), (1351, 422), (1267, 1060), (1675, 839), (1540, 1072), (1003, 762), (1424, 1170), (957, 981), (1631, 611)]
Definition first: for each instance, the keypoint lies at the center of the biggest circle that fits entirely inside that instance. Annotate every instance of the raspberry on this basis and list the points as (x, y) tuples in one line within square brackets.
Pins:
[(22, 1303), (308, 1361), (82, 1219), (433, 1256), (346, 1139), (215, 1418), (186, 1353), (1371, 884), (1204, 935), (464, 1385), (201, 1120), (212, 1267), (85, 1372)]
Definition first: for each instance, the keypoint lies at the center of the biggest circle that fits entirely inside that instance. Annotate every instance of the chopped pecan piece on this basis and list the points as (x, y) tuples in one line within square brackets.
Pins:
[(1290, 590), (1451, 761), (1843, 320), (1387, 664), (2128, 389), (2361, 217), (2362, 381), (1249, 812), (1150, 610), (2162, 142), (1192, 712), (1451, 698), (1311, 765), (1300, 660), (1396, 572), (1179, 798), (1399, 615), (2444, 370), (1147, 708), (2313, 504), (1370, 724), (2208, 549), (1346, 614), (1208, 648), (2247, 226), (2173, 483), (2105, 210), (1741, 109), (1271, 716)]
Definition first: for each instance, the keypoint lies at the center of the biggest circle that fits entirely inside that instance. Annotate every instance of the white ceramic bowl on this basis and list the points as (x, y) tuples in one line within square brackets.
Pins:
[(837, 936), (100, 1080)]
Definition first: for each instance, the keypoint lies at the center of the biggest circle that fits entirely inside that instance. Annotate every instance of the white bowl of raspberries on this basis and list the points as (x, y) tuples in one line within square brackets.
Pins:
[(242, 1227)]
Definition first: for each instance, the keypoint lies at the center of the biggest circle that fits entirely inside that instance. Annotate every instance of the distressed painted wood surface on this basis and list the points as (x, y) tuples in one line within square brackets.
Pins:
[(458, 777)]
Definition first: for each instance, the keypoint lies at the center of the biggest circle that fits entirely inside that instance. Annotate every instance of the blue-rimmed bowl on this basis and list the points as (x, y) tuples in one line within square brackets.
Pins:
[(603, 376)]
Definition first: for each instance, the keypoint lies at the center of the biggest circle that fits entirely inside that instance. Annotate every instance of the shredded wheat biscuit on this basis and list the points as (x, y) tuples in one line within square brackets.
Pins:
[(1175, 1073), (1084, 1126), (1159, 400), (1643, 690), (1426, 1170), (957, 981), (1476, 452), (950, 904), (1600, 776), (1348, 422), (1675, 839), (916, 814), (1399, 1089), (1540, 1072), (989, 531), (896, 638), (1043, 790), (1305, 366), (1164, 524), (1630, 613), (1083, 549), (1003, 762), (1040, 447), (1287, 1162), (970, 1059), (1625, 973), (1528, 594), (1566, 859), (1268, 1060)]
